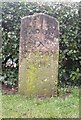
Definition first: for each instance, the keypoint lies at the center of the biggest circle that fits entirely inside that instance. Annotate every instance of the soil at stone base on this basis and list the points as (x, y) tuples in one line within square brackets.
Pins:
[(7, 90)]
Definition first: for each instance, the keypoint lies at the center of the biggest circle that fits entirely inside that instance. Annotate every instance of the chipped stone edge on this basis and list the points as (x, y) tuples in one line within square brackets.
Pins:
[(37, 14)]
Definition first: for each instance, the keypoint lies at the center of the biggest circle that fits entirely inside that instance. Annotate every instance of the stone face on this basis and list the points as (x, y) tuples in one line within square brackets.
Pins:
[(38, 56)]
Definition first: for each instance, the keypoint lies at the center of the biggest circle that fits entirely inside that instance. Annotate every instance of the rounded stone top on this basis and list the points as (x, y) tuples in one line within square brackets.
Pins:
[(40, 14)]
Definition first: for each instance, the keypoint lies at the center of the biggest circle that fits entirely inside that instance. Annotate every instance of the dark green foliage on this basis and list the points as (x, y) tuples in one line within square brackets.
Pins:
[(69, 42)]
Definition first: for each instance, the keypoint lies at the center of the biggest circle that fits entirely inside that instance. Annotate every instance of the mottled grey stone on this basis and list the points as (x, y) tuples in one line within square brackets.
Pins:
[(38, 56)]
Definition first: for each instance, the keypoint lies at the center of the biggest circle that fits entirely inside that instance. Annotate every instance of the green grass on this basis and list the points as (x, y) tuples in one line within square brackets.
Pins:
[(18, 106), (0, 104)]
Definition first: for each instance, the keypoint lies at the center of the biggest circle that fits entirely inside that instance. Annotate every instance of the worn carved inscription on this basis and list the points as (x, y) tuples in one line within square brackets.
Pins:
[(38, 56)]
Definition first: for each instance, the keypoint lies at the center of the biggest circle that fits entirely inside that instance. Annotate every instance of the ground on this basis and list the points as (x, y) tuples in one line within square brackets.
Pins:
[(62, 106)]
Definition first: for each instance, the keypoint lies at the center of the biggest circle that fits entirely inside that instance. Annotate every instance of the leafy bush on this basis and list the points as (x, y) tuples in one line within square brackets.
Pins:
[(69, 42)]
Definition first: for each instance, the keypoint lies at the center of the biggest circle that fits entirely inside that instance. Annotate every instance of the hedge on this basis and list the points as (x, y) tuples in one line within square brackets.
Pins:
[(68, 16)]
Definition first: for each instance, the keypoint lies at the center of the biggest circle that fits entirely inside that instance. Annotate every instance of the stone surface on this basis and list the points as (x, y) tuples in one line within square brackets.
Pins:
[(38, 56)]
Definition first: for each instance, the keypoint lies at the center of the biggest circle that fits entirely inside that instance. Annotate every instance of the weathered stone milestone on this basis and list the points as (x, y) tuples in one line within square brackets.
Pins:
[(38, 56)]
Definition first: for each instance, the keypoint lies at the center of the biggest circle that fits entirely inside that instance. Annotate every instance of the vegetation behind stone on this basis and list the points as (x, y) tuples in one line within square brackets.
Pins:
[(68, 16)]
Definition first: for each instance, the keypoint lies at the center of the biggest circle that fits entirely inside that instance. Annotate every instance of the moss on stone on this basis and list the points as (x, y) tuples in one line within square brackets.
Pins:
[(38, 74)]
